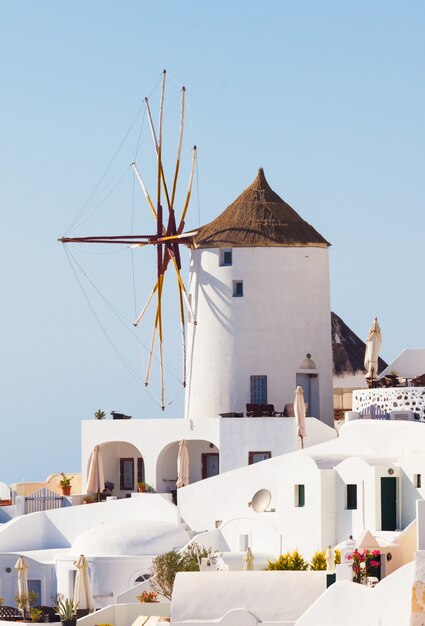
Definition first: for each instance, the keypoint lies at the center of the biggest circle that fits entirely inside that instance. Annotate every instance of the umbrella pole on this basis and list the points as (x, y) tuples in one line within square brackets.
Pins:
[(302, 442)]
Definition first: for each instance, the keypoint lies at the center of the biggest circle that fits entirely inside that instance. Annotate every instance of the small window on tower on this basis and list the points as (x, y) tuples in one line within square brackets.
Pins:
[(299, 495), (225, 257), (351, 497), (237, 288)]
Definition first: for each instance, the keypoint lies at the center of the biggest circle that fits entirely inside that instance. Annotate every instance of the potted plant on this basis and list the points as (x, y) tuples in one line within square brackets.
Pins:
[(89, 499), (99, 414), (65, 483), (25, 602), (36, 615), (143, 487), (67, 611), (147, 596), (363, 562)]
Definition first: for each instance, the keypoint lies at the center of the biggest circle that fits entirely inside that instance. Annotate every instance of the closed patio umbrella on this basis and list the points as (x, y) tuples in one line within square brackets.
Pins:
[(83, 594), (22, 568), (249, 561), (95, 479), (373, 347), (299, 410), (182, 465)]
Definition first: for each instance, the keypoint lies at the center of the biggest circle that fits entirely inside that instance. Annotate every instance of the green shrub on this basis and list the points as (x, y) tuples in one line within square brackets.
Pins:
[(318, 561), (166, 566), (282, 563), (297, 561), (288, 561)]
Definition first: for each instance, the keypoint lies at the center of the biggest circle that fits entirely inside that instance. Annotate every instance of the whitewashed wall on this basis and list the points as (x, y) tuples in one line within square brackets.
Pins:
[(109, 576), (45, 572), (269, 596), (355, 521), (278, 435), (391, 399), (226, 498), (261, 533), (283, 315), (409, 493), (124, 614), (348, 604), (58, 528), (156, 440)]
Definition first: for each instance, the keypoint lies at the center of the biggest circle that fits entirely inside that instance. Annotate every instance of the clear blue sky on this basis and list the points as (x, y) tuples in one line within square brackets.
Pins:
[(327, 96)]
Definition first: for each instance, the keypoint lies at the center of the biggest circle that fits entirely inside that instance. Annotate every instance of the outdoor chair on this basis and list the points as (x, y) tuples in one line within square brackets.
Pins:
[(9, 613), (288, 411), (260, 410)]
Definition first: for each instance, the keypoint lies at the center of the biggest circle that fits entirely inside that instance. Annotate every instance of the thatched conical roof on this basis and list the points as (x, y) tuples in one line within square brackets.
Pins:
[(258, 217), (348, 349)]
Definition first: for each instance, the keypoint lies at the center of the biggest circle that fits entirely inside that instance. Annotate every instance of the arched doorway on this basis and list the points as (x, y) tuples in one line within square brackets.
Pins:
[(203, 463), (123, 466)]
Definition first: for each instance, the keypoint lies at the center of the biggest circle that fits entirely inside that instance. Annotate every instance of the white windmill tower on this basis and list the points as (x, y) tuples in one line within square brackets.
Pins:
[(259, 289)]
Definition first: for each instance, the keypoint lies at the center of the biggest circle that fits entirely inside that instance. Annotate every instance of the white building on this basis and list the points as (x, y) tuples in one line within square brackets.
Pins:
[(146, 450), (259, 286), (367, 479)]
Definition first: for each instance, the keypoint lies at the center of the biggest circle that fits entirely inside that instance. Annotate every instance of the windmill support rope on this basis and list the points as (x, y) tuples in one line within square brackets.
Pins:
[(125, 322), (143, 311), (168, 238)]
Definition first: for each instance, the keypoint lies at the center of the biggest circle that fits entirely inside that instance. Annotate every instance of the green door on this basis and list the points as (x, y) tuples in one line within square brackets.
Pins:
[(388, 504)]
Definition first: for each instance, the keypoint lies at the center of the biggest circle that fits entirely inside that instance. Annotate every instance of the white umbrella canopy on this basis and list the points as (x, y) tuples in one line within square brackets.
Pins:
[(182, 465), (299, 411), (22, 568), (373, 347), (96, 478), (83, 594), (249, 560)]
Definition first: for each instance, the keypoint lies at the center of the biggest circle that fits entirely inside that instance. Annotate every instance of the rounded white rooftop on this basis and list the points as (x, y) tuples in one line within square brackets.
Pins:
[(130, 538)]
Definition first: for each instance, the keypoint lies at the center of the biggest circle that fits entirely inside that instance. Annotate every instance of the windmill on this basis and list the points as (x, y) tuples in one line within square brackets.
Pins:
[(167, 237)]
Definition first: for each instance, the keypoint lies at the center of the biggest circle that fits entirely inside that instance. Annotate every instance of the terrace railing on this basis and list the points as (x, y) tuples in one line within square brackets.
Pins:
[(387, 399), (42, 500)]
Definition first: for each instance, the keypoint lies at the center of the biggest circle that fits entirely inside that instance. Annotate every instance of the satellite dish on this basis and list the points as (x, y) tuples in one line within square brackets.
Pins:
[(261, 500)]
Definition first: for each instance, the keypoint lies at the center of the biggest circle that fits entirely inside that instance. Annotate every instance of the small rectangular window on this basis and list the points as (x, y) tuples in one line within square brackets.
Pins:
[(238, 288), (256, 457), (259, 389), (417, 480), (226, 257), (140, 470), (35, 587), (127, 474), (299, 495), (351, 496)]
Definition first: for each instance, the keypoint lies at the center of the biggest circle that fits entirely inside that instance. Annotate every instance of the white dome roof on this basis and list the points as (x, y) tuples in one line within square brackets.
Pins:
[(130, 538)]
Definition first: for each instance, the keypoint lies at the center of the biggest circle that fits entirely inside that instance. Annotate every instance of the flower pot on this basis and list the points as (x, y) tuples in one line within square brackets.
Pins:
[(141, 488), (70, 622), (66, 491)]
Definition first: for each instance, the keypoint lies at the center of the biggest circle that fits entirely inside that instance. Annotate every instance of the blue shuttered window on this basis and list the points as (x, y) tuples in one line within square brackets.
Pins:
[(258, 389)]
